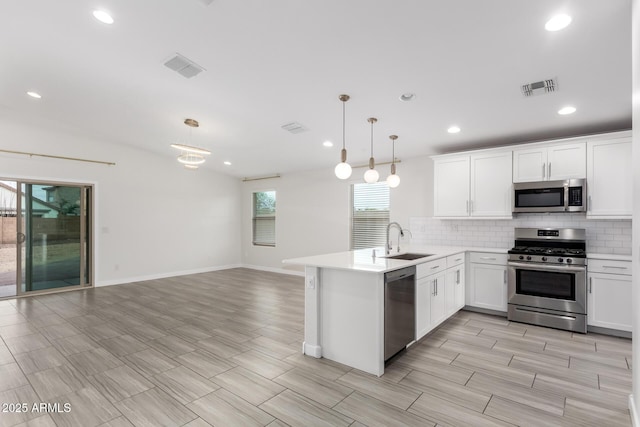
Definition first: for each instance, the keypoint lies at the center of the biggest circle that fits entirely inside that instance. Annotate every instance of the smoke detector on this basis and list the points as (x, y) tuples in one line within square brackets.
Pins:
[(539, 88), (183, 66)]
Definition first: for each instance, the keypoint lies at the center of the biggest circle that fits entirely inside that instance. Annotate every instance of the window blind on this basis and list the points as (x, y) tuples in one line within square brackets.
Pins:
[(369, 215), (264, 218)]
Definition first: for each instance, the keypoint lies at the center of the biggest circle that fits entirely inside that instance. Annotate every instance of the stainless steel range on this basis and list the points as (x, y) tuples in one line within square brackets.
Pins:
[(547, 278)]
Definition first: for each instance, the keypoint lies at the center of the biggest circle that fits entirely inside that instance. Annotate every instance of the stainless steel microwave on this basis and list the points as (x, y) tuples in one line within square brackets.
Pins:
[(550, 196)]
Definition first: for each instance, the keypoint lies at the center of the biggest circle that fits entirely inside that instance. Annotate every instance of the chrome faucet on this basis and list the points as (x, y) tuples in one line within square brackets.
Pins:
[(388, 246)]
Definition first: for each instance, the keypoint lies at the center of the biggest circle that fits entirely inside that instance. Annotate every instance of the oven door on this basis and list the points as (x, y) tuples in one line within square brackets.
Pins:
[(555, 287)]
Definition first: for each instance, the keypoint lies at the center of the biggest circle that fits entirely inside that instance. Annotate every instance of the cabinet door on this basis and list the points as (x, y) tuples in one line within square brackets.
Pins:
[(451, 187), (454, 295), (438, 296), (609, 301), (530, 164), (491, 185), (567, 161), (609, 178), (488, 286), (423, 307)]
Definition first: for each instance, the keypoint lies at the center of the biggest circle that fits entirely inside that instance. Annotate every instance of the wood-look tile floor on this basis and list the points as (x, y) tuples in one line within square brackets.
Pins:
[(223, 349)]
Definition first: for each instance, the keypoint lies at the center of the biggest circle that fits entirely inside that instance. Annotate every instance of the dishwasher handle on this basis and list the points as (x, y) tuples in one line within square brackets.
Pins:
[(392, 276)]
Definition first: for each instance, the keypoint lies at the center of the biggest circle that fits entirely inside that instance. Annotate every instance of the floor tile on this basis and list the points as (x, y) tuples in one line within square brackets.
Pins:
[(444, 412), (88, 408), (123, 345), (376, 413), (184, 385), (171, 346), (39, 360), (61, 330), (11, 376), (74, 344), (25, 343), (93, 362), (26, 397), (204, 363), (120, 383), (262, 364), (57, 381), (314, 387), (297, 410), (248, 385), (150, 362), (395, 394), (154, 408), (519, 414), (224, 408)]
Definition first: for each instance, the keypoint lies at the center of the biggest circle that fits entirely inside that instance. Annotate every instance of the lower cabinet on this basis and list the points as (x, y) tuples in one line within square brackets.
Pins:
[(440, 292), (609, 294), (488, 281)]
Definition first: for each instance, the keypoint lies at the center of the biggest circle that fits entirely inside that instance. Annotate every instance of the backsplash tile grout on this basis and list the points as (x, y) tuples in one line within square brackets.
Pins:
[(611, 236)]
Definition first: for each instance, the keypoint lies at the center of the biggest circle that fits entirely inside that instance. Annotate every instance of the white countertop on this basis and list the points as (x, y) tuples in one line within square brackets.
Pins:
[(613, 257), (362, 259)]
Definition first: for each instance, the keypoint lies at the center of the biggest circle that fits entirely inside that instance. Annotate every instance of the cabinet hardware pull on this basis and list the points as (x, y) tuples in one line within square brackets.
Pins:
[(589, 204), (437, 266), (458, 259), (590, 281), (549, 169), (471, 206), (467, 206), (544, 170), (488, 258), (505, 276), (614, 266), (458, 277)]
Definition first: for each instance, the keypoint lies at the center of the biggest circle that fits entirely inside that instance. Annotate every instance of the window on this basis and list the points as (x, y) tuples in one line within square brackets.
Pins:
[(369, 215), (264, 218)]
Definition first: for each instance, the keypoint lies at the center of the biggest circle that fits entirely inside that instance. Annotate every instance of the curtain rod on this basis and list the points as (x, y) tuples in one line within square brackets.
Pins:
[(49, 156), (261, 177)]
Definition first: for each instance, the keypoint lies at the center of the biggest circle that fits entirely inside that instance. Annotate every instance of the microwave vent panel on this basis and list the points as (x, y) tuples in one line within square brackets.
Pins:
[(540, 88)]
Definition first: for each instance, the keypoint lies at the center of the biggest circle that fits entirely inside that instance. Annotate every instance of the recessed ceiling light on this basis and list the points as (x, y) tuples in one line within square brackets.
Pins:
[(34, 94), (103, 17), (453, 129), (228, 163), (557, 22), (566, 110), (328, 144), (408, 96)]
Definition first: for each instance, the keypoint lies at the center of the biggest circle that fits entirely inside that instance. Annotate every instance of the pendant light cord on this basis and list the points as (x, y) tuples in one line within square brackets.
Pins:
[(372, 138), (343, 120)]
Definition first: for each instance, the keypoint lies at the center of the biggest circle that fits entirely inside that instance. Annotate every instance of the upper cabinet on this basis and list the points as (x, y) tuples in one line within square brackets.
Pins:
[(609, 178), (476, 185), (550, 162)]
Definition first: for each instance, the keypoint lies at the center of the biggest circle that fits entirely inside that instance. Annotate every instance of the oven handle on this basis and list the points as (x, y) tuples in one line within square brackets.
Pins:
[(545, 267)]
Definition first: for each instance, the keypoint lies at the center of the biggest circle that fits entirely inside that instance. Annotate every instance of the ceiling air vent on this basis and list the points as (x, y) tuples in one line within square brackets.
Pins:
[(294, 127), (539, 88), (183, 66)]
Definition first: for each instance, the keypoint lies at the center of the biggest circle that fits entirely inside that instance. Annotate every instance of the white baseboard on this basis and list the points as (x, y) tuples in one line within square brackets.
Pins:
[(274, 270), (635, 421), (312, 350), (164, 275)]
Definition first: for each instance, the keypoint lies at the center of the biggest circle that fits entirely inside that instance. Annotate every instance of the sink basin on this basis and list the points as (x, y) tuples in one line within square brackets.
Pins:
[(408, 256)]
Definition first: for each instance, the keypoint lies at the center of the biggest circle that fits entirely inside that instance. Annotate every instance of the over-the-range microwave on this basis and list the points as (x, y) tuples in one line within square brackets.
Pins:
[(550, 196)]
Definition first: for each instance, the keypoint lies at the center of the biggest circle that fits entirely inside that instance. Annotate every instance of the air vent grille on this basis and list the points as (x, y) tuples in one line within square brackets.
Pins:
[(539, 88), (183, 66), (295, 127)]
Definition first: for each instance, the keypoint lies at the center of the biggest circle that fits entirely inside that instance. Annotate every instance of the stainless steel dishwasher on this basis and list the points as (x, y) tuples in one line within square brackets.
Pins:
[(399, 310)]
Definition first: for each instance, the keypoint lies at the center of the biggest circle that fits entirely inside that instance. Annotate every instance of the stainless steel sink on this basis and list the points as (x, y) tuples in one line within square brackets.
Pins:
[(409, 256)]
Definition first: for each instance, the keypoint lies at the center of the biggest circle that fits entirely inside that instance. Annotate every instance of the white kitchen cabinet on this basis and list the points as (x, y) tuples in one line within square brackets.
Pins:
[(438, 299), (609, 179), (454, 295), (423, 307), (487, 281), (491, 188), (451, 186), (609, 294), (550, 162), (477, 185)]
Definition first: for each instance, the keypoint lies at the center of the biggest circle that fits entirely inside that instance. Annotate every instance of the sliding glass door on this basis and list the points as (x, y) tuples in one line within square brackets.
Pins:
[(53, 237)]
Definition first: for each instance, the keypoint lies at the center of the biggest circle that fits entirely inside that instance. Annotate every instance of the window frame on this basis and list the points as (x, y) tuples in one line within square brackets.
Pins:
[(352, 238), (254, 217)]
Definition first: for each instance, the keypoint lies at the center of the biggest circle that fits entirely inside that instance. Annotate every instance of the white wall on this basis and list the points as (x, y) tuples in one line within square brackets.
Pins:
[(153, 218), (635, 52), (312, 211)]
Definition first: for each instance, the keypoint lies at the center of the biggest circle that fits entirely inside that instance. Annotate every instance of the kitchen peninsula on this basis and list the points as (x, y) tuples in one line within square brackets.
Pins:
[(345, 300)]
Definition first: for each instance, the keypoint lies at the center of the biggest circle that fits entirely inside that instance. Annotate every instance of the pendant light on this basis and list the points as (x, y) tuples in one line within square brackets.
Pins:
[(371, 175), (343, 169), (191, 156), (393, 180)]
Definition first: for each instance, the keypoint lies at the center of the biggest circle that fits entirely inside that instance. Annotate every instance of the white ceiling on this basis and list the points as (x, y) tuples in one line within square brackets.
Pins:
[(273, 62)]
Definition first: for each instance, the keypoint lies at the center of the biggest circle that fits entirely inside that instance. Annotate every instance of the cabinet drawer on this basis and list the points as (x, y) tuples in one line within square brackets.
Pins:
[(488, 258), (454, 260), (609, 266), (431, 267)]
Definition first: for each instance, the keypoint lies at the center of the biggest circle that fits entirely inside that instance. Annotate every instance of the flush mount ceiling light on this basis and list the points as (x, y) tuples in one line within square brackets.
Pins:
[(453, 129), (393, 180), (557, 22), (103, 17), (567, 110), (35, 95), (343, 169), (191, 155), (371, 175), (408, 96)]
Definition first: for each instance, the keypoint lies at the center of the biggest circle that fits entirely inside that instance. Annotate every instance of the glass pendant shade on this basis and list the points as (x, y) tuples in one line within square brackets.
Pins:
[(343, 170), (393, 180), (371, 176)]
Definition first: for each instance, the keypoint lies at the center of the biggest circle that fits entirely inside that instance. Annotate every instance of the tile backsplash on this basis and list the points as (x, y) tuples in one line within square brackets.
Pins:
[(603, 236)]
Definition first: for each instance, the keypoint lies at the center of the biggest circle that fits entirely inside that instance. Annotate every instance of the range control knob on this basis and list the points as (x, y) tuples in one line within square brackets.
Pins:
[(544, 258), (569, 260), (520, 257), (528, 258), (560, 260)]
